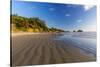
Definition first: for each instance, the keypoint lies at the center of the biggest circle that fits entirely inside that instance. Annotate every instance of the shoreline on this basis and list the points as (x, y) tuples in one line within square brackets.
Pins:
[(29, 33), (25, 33)]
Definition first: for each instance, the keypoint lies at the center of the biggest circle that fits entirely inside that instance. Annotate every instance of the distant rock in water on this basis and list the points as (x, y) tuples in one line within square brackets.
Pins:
[(79, 30), (74, 31)]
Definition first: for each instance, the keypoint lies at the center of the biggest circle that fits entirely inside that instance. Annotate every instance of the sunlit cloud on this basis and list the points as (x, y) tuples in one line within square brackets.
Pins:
[(51, 9), (69, 6), (72, 6), (32, 7), (67, 15), (79, 20), (88, 7)]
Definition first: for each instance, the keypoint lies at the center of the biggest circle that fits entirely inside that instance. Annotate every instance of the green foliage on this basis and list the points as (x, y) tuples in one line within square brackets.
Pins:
[(79, 30), (33, 24), (56, 30)]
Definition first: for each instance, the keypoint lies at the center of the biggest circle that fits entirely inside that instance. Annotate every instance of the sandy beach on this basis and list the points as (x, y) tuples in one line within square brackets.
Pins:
[(37, 49)]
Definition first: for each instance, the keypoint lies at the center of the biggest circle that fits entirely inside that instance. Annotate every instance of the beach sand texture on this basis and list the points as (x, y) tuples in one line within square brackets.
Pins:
[(37, 49)]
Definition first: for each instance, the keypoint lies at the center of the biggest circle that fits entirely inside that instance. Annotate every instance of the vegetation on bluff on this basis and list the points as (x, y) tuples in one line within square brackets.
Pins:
[(34, 24)]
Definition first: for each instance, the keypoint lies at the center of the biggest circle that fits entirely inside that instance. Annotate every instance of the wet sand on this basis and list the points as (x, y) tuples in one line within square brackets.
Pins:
[(37, 49)]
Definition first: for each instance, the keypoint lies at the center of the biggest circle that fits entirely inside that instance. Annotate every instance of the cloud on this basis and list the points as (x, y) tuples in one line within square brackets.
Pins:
[(73, 6), (32, 7), (51, 9), (67, 15), (69, 6), (79, 20), (88, 7)]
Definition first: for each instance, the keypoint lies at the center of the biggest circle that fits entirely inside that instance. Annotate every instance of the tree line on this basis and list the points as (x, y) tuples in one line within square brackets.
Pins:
[(33, 24)]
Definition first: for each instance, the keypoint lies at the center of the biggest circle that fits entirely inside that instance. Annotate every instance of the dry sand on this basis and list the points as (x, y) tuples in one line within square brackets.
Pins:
[(37, 49)]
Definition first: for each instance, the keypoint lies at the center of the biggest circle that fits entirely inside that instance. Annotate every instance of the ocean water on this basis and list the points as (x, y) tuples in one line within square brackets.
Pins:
[(80, 34), (86, 41)]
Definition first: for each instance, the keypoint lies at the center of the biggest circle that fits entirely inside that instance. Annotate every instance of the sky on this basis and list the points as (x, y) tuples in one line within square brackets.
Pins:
[(63, 16)]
